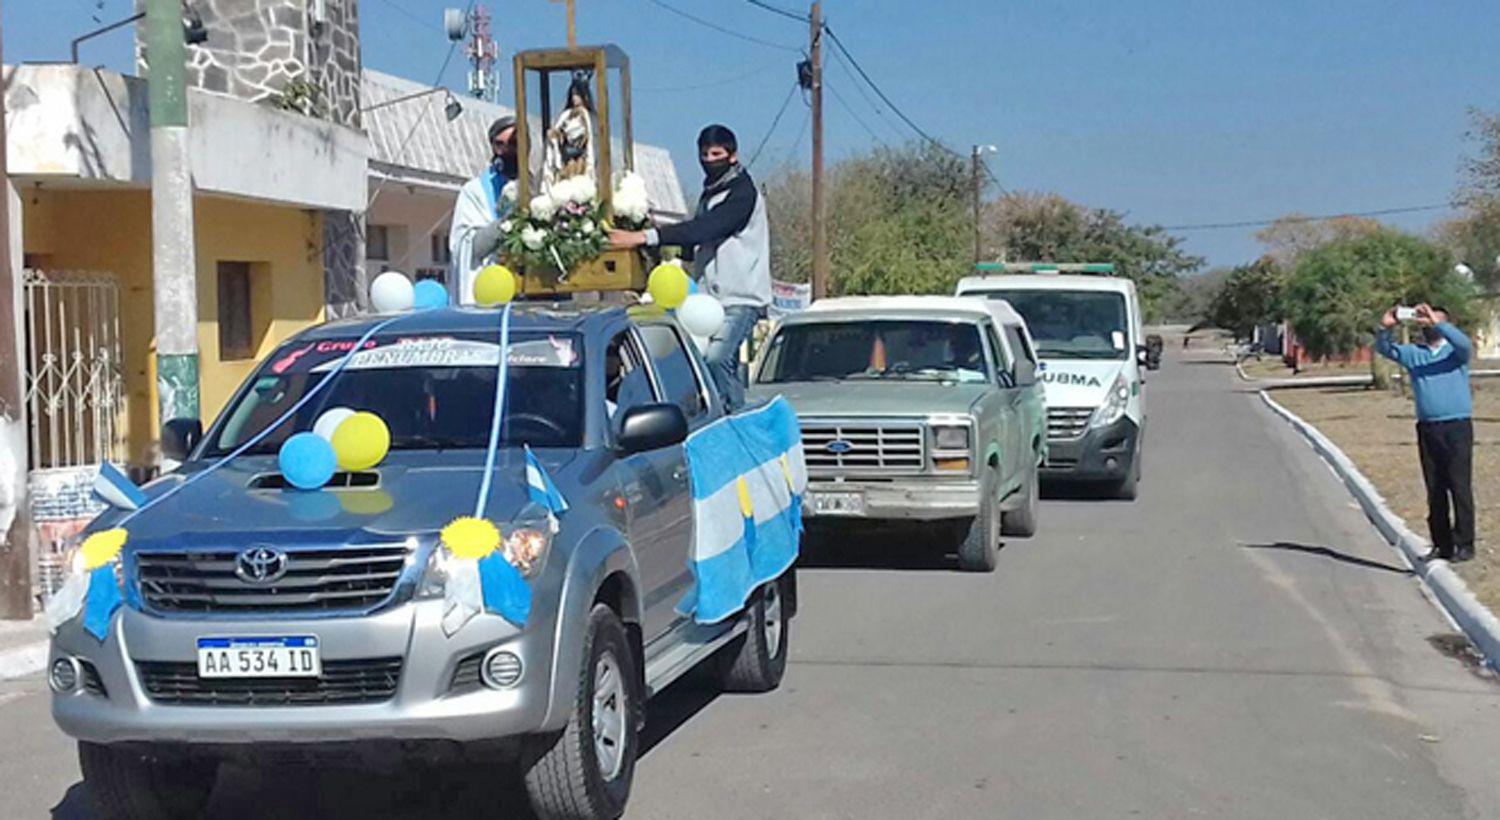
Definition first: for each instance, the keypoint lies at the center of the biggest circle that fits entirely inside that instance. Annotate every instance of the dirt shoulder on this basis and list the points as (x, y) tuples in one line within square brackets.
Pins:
[(1377, 430)]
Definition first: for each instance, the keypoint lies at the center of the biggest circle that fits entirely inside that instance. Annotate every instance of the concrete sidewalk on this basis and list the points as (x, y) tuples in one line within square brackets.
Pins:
[(23, 647)]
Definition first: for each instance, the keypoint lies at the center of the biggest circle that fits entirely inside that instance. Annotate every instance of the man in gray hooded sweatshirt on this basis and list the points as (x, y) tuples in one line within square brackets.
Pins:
[(730, 244)]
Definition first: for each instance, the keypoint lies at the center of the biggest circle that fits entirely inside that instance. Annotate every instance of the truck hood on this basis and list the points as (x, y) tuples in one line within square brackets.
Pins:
[(1077, 382), (418, 493), (875, 398)]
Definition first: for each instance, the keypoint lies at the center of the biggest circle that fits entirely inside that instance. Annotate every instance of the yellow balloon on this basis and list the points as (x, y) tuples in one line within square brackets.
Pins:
[(668, 285), (495, 285), (361, 441)]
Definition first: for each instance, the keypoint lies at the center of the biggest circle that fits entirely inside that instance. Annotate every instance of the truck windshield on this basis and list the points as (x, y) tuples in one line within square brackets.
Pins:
[(432, 392), (876, 349), (1072, 324)]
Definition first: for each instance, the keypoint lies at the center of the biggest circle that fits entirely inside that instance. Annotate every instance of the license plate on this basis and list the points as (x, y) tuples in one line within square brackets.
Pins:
[(843, 503), (259, 657)]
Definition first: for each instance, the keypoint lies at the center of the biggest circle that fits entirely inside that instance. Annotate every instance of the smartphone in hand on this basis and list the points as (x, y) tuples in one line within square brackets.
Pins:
[(1406, 314)]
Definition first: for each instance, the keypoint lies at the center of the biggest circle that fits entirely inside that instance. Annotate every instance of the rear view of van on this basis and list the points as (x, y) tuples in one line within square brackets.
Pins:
[(1087, 330)]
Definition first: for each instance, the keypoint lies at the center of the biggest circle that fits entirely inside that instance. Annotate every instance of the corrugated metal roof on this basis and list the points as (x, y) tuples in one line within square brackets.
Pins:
[(448, 153)]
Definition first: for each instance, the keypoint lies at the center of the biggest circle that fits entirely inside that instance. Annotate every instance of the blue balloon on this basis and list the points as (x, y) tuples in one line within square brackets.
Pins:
[(307, 461), (429, 294)]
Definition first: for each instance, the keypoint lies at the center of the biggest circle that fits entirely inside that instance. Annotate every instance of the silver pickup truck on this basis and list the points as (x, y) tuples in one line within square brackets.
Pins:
[(914, 408), (266, 622)]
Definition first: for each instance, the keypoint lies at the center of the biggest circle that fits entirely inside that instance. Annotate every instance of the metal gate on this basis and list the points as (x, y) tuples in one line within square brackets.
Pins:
[(74, 380)]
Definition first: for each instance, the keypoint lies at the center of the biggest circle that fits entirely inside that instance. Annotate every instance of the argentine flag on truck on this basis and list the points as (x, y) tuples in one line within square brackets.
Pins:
[(747, 477)]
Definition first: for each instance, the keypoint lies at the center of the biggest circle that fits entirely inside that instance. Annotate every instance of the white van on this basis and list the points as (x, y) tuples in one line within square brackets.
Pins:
[(1087, 330)]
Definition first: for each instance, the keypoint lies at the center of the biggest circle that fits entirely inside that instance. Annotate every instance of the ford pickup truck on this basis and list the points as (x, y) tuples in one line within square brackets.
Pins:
[(263, 620), (915, 409)]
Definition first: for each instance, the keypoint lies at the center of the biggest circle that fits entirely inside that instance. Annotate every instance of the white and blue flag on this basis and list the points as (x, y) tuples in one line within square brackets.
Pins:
[(116, 489), (540, 488), (747, 476)]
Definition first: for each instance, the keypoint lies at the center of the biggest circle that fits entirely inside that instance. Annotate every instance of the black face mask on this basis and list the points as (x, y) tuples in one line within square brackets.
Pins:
[(715, 168)]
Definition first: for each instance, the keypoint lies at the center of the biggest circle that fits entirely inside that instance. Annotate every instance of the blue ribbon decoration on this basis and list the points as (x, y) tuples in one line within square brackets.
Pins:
[(102, 601), (505, 591)]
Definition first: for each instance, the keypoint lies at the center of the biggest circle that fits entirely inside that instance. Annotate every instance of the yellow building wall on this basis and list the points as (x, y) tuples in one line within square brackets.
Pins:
[(110, 231)]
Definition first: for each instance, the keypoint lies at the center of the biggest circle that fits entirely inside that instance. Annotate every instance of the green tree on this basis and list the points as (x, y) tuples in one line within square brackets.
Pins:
[(899, 221), (1049, 228), (1337, 292), (1250, 297)]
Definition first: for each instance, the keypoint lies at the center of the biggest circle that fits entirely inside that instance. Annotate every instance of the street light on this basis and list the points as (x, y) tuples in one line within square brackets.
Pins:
[(451, 109)]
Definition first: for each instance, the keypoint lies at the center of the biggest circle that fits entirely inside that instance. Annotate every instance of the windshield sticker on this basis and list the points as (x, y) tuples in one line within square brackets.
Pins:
[(449, 352), (1118, 338)]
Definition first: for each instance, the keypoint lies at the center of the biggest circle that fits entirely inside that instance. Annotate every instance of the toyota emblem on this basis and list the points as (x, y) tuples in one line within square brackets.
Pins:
[(260, 564)]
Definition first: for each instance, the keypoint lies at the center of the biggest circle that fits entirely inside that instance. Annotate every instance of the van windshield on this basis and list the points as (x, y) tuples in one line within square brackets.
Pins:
[(876, 349), (433, 393), (1073, 324)]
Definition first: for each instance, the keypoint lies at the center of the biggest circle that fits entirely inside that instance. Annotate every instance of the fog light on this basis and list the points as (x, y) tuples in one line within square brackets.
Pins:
[(501, 669), (1110, 463), (63, 676)]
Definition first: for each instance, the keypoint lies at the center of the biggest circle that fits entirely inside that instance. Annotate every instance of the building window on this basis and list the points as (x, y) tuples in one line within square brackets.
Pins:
[(377, 242), (236, 333), (441, 255)]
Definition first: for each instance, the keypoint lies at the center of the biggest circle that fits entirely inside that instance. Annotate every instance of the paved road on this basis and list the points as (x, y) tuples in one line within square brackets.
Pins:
[(1236, 643)]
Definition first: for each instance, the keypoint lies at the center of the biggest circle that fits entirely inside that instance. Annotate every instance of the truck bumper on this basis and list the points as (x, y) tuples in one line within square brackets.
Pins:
[(1100, 454), (430, 699), (903, 499)]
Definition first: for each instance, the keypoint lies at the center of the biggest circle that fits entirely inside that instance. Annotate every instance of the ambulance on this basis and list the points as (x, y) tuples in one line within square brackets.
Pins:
[(1086, 323)]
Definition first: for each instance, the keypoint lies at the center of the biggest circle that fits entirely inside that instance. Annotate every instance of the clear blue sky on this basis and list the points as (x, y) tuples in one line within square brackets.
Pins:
[(1173, 111)]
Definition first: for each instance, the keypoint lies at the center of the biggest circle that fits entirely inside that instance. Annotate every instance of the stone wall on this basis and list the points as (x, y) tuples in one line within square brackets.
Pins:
[(274, 51)]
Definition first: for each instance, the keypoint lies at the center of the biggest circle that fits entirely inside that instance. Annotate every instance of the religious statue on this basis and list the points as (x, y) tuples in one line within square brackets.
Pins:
[(570, 148)]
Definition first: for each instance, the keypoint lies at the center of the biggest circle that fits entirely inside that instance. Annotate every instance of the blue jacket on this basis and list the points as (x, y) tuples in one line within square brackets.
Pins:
[(1439, 376)]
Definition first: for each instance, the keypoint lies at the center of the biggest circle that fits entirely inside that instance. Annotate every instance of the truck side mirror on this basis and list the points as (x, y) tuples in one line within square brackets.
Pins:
[(179, 437), (651, 427)]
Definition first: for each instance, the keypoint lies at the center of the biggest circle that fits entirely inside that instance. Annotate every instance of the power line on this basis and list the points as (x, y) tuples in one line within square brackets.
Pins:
[(865, 94), (983, 163), (862, 73), (726, 81), (801, 18), (1257, 223), (721, 29), (840, 98), (774, 122)]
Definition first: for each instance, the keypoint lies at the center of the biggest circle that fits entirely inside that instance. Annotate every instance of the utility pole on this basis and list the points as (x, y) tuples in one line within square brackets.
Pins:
[(976, 164), (174, 279), (819, 221), (15, 548)]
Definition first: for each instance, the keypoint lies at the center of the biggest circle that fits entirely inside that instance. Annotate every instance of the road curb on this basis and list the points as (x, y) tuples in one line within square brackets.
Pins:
[(21, 661), (1446, 588), (1363, 380)]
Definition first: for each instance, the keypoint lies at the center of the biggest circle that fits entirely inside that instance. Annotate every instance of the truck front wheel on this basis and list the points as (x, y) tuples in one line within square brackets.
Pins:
[(585, 771), (756, 660), (136, 784), (981, 534)]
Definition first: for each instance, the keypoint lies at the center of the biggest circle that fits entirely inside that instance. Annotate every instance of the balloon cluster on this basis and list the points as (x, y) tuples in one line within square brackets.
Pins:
[(341, 439), (700, 314)]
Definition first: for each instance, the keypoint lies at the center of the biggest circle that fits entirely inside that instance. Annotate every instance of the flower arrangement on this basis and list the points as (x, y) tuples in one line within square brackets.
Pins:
[(632, 205), (559, 229)]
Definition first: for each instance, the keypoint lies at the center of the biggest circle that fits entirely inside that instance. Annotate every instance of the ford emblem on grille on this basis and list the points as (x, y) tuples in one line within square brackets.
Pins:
[(839, 446), (260, 564)]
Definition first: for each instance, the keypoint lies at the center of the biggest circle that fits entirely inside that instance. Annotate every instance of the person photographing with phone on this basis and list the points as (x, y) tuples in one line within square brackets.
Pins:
[(1439, 371)]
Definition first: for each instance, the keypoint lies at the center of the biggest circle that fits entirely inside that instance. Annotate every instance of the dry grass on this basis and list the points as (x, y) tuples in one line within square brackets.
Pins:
[(1274, 368), (1376, 429)]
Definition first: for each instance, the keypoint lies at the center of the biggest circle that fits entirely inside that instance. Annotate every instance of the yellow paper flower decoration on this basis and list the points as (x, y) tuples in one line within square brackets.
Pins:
[(102, 547), (472, 538)]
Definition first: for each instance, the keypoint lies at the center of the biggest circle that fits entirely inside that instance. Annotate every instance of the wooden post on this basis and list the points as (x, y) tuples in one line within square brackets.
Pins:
[(820, 223), (572, 23)]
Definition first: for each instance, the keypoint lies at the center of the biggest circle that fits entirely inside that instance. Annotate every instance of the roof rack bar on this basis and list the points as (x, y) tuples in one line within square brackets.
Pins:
[(989, 268)]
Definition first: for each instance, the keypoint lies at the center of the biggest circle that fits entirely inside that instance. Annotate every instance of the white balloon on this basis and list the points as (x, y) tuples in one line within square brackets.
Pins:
[(701, 314), (330, 421), (392, 292)]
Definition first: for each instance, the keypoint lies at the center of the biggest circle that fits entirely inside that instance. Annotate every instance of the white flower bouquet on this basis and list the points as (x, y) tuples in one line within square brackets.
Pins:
[(559, 229), (631, 205)]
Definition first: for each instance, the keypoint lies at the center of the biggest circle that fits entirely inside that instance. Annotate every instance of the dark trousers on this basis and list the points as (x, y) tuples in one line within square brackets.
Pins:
[(1447, 450)]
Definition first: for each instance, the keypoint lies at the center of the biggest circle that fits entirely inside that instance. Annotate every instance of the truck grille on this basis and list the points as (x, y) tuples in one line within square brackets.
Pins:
[(316, 580), (1067, 422), (370, 680), (863, 447)]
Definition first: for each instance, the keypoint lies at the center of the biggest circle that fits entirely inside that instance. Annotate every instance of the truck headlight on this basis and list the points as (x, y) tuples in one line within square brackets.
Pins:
[(1114, 404), (950, 438)]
